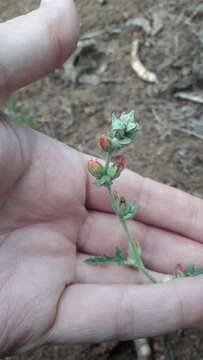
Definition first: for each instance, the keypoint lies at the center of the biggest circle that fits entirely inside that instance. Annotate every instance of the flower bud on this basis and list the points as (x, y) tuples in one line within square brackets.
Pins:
[(95, 168), (122, 201), (105, 143), (119, 162)]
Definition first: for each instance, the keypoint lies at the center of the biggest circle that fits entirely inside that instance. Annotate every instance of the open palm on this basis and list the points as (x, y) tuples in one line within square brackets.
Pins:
[(51, 218)]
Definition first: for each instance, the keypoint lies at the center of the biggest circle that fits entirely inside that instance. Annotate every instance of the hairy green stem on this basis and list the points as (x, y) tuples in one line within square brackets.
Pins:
[(108, 159), (125, 228), (141, 265)]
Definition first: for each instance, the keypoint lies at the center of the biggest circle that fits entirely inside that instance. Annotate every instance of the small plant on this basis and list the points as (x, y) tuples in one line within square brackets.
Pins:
[(123, 131)]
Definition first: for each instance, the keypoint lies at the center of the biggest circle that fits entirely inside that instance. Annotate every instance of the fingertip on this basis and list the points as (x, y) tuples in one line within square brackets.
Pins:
[(63, 24), (32, 45)]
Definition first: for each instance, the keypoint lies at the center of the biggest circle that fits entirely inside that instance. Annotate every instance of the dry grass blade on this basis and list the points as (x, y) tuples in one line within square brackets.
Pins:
[(191, 96)]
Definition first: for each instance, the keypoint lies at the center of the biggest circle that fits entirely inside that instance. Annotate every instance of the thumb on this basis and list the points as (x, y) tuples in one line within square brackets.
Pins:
[(36, 43)]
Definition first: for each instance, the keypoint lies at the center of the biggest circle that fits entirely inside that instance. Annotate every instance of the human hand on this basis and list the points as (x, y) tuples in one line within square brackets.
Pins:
[(52, 218)]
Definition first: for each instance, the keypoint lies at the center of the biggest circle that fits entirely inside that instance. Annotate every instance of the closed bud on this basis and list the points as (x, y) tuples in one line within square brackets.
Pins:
[(119, 162), (122, 201), (105, 143), (96, 168)]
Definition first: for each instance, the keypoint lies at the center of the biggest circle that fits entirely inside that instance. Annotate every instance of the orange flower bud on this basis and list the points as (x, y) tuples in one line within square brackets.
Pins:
[(105, 143), (95, 168)]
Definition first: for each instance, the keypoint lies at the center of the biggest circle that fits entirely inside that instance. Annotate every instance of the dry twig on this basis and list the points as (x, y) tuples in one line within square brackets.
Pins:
[(138, 66)]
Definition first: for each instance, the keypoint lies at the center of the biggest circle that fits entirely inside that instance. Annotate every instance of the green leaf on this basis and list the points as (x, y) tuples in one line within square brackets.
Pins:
[(125, 141), (128, 210), (192, 270), (131, 210), (117, 258), (128, 216)]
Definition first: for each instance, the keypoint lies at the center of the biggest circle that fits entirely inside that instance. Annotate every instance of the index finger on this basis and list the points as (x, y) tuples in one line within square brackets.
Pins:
[(159, 205)]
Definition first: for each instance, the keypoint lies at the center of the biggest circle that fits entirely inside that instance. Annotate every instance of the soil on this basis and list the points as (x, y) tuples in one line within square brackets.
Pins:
[(170, 146)]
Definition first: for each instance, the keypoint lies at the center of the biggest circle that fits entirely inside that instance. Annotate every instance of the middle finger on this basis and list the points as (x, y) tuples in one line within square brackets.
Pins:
[(162, 250)]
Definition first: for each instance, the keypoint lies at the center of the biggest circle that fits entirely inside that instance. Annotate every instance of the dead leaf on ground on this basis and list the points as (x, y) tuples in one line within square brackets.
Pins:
[(140, 22), (87, 64)]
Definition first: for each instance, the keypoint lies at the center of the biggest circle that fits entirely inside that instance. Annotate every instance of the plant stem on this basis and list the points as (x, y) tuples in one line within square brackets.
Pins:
[(141, 264), (124, 225), (111, 197), (108, 159), (125, 228), (146, 272)]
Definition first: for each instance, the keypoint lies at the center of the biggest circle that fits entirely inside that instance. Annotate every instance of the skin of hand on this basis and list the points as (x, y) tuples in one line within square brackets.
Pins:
[(52, 217)]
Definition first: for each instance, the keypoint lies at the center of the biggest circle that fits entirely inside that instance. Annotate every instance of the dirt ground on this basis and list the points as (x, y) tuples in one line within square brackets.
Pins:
[(74, 104)]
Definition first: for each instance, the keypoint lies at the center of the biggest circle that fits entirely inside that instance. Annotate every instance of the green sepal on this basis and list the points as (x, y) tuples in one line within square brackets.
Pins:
[(104, 181), (96, 169), (112, 171), (117, 258)]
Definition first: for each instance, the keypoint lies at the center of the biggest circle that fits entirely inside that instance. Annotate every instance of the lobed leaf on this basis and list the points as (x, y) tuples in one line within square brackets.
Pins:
[(117, 258), (193, 270)]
